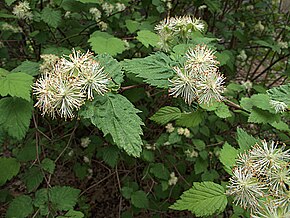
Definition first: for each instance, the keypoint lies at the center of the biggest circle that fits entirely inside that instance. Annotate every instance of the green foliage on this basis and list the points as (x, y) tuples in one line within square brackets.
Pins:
[(147, 38), (9, 167), (139, 199), (166, 114), (102, 43), (51, 16), (15, 115), (32, 178), (16, 85), (203, 199), (28, 67), (245, 140), (63, 198), (190, 119), (112, 114), (20, 207), (281, 93), (48, 165), (155, 69), (228, 156)]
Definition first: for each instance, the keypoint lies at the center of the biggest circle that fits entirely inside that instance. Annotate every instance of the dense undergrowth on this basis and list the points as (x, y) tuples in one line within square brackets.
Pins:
[(153, 108)]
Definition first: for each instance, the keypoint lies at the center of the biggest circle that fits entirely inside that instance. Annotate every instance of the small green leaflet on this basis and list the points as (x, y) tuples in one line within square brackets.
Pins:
[(20, 207), (9, 167), (9, 2), (228, 156), (15, 115), (102, 43), (190, 119), (51, 16), (115, 115), (139, 199), (28, 67), (166, 114), (203, 199), (262, 116), (280, 93), (155, 69), (146, 37), (261, 101), (245, 140), (32, 178), (16, 85), (63, 197)]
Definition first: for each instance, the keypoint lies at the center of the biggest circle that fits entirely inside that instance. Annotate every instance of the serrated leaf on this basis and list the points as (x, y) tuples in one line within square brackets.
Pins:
[(245, 140), (127, 192), (132, 25), (9, 167), (282, 126), (223, 111), (110, 155), (15, 115), (32, 178), (155, 69), (203, 199), (166, 114), (146, 37), (261, 116), (48, 165), (51, 16), (16, 85), (280, 93), (261, 101), (105, 43), (20, 207), (139, 199), (72, 214), (63, 198), (160, 171), (228, 156), (9, 2), (28, 67), (26, 153), (115, 115), (190, 119), (112, 67), (41, 201)]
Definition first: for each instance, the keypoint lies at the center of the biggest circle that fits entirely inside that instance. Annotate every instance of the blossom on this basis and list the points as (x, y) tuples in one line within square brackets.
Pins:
[(96, 13), (173, 179), (245, 188), (186, 133), (268, 156), (85, 142), (120, 7), (184, 85), (92, 79), (169, 128), (279, 106), (49, 61), (209, 87), (23, 11), (201, 59)]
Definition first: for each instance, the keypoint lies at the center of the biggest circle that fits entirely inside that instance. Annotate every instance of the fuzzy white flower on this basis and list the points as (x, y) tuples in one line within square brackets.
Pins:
[(186, 133), (23, 11), (120, 6), (85, 142), (169, 128), (103, 26), (279, 106), (96, 13), (183, 85), (173, 179), (180, 131), (201, 59)]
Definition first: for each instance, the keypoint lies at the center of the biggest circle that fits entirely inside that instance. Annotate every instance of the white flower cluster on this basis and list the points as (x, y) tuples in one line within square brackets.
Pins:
[(110, 8), (23, 11), (177, 29), (279, 106), (199, 79), (97, 14), (261, 179), (72, 80), (9, 27), (173, 179)]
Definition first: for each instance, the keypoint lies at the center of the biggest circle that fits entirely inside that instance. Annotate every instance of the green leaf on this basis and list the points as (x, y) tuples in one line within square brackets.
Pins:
[(28, 67), (63, 198), (32, 178), (16, 85), (20, 207), (223, 111), (282, 126), (245, 140), (105, 43), (155, 69), (9, 167), (190, 119), (26, 153), (146, 37), (280, 93), (9, 2), (269, 45), (73, 214), (166, 114), (41, 201), (112, 67), (132, 25), (228, 156), (15, 115), (139, 199), (127, 192), (160, 171), (115, 115), (110, 155), (261, 101), (261, 116), (51, 16), (48, 165), (203, 199)]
